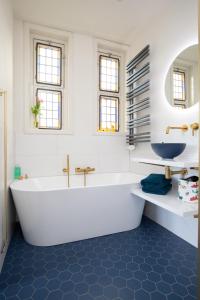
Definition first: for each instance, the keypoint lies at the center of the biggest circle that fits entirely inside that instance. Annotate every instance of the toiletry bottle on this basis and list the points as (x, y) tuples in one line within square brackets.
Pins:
[(17, 172)]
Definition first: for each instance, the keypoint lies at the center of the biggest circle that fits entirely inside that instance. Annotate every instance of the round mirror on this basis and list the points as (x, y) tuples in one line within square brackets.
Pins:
[(181, 84)]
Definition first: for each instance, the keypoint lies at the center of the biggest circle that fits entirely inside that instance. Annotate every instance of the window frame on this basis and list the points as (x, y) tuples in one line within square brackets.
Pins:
[(183, 73), (38, 85), (36, 63), (188, 68), (31, 32), (116, 58), (116, 55), (52, 128), (118, 109)]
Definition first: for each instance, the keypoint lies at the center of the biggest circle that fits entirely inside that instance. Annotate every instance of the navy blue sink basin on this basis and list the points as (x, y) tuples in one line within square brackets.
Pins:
[(168, 150)]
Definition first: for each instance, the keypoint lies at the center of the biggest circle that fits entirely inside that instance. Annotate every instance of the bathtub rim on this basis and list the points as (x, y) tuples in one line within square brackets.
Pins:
[(15, 185)]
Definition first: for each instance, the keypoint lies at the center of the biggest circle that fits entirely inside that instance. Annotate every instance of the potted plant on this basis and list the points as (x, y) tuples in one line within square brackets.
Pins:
[(35, 109)]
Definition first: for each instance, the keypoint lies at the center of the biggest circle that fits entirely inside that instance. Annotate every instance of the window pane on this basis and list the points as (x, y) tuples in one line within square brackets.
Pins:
[(48, 60), (50, 114), (109, 74), (179, 87), (108, 114)]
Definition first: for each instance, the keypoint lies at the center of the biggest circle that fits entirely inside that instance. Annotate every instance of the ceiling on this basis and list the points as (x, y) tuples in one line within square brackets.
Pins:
[(109, 19)]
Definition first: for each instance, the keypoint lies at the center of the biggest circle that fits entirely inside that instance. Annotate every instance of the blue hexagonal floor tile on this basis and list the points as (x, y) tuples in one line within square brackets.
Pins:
[(146, 263)]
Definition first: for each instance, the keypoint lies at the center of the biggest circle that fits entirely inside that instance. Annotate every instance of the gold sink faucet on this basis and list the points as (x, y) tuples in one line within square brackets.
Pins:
[(84, 171), (183, 128), (67, 170)]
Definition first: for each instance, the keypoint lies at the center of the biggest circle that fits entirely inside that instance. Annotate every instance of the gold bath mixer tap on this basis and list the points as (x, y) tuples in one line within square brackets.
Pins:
[(84, 171), (67, 170)]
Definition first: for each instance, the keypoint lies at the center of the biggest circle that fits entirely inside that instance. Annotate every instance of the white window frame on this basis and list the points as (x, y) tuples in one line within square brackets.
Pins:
[(32, 32), (116, 51)]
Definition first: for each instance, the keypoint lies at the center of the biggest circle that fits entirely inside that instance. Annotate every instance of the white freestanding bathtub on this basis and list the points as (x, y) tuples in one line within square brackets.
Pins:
[(50, 213)]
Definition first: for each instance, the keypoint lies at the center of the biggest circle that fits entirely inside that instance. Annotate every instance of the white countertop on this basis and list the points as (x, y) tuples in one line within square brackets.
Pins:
[(164, 162), (169, 202)]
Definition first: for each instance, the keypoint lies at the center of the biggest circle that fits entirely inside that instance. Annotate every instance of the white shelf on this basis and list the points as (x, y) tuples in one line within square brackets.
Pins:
[(164, 162), (169, 202)]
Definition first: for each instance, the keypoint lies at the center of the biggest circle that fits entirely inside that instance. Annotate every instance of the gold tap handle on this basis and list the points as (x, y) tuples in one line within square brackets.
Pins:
[(194, 127), (77, 170), (89, 169)]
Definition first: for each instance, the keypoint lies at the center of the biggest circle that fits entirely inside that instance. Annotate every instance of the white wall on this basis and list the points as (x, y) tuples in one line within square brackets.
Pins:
[(166, 41), (6, 83), (45, 155)]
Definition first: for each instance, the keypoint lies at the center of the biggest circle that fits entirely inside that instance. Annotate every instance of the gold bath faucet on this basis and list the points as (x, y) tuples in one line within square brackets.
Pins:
[(84, 171), (67, 170)]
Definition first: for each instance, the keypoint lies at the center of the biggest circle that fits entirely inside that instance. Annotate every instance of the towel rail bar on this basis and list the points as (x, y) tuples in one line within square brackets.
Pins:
[(138, 84)]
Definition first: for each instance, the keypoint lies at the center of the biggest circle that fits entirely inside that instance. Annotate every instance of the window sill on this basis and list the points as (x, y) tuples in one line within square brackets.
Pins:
[(109, 133)]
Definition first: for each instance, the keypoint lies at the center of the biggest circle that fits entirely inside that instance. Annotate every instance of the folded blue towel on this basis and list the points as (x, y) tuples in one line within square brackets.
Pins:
[(156, 179), (155, 186), (157, 190)]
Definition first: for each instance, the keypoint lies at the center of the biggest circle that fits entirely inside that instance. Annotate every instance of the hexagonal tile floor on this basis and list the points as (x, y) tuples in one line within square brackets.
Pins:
[(146, 263)]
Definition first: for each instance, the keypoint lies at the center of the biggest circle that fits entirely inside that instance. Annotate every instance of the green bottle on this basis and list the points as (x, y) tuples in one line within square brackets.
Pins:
[(17, 172)]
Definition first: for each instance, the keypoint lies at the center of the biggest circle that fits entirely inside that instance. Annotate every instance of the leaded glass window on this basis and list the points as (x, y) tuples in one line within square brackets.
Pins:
[(109, 74), (49, 82), (49, 59), (109, 94), (109, 114), (51, 109), (179, 88)]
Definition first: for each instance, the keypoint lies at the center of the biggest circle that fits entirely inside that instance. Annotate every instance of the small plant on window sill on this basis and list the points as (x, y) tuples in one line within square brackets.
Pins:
[(112, 129), (107, 130), (35, 109)]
